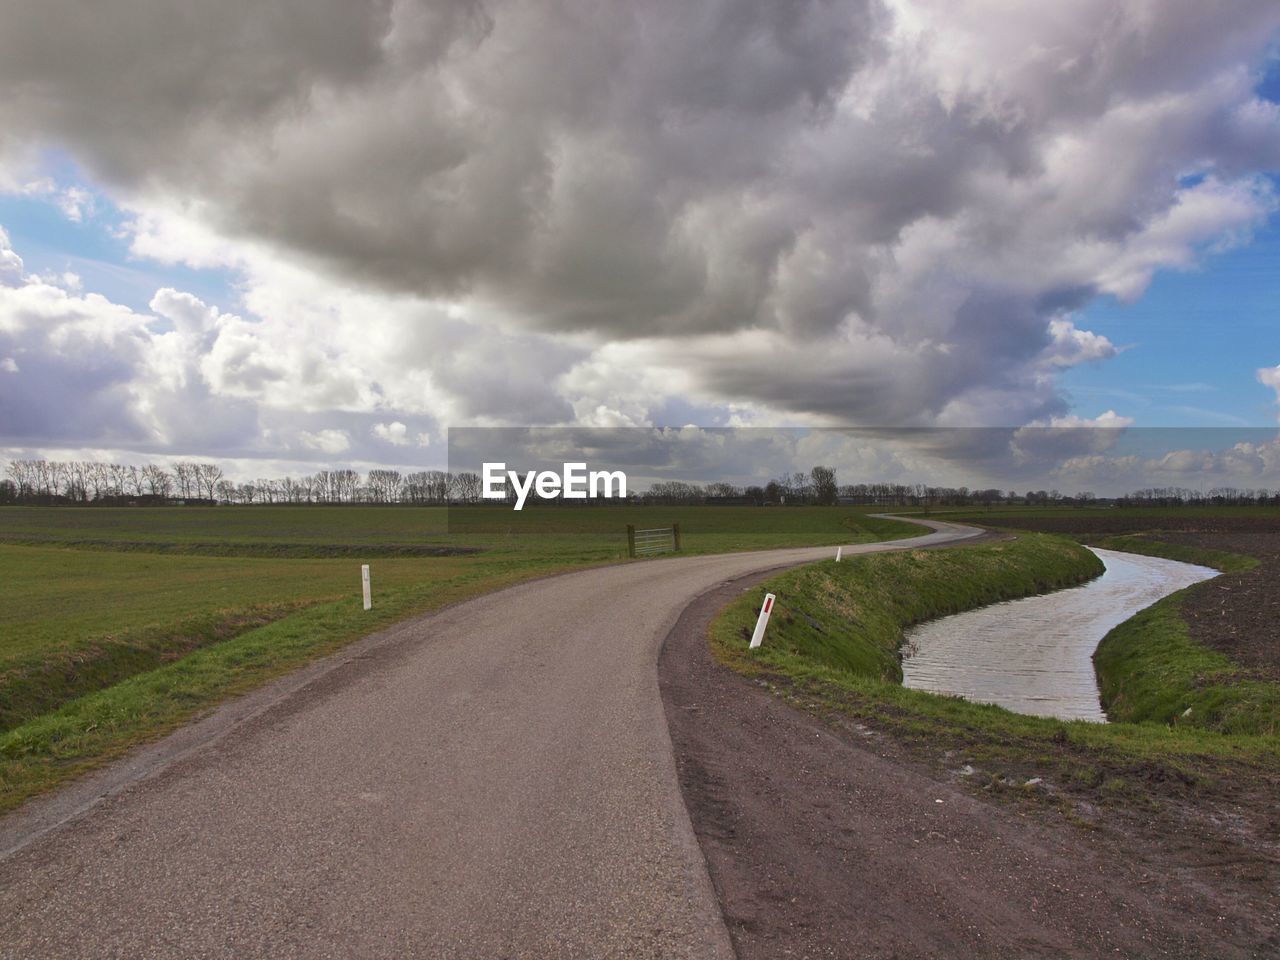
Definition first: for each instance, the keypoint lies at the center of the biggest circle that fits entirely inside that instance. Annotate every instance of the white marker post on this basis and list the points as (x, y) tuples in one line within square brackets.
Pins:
[(839, 550), (364, 582), (765, 609)]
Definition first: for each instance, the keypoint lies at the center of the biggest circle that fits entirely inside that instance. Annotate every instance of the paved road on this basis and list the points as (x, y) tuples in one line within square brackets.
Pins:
[(493, 780)]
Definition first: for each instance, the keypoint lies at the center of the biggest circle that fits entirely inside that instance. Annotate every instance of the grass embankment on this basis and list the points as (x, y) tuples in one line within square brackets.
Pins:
[(832, 647), (99, 725), (1150, 669), (172, 610), (1221, 560), (850, 616), (76, 621)]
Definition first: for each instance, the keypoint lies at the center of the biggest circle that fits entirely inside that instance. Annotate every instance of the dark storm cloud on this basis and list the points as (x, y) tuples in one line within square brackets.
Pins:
[(842, 209)]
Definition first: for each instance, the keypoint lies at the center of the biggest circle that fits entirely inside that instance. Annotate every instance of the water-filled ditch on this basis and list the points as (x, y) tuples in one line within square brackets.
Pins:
[(1035, 655)]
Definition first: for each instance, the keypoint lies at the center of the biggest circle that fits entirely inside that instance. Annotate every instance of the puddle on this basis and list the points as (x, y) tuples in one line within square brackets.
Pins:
[(1035, 655)]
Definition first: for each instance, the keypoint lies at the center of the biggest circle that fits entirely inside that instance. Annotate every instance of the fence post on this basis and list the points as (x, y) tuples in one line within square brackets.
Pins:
[(631, 540), (675, 535)]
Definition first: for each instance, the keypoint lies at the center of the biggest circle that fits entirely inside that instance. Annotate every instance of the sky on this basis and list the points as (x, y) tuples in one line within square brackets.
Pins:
[(316, 233)]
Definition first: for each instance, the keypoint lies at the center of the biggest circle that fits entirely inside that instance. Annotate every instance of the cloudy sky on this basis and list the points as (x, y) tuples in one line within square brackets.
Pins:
[(324, 231)]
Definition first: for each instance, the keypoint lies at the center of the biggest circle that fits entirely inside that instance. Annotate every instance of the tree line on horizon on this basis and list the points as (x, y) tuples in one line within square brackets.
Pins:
[(78, 482)]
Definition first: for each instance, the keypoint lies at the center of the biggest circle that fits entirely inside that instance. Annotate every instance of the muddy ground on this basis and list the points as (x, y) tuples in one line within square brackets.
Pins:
[(827, 836), (1238, 615)]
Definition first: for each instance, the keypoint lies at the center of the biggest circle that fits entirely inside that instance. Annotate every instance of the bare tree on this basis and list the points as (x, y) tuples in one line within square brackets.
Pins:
[(22, 472), (207, 477), (98, 478), (76, 476), (158, 480), (721, 490), (306, 489), (385, 485), (467, 486), (825, 489), (182, 475), (119, 475), (439, 486), (46, 478)]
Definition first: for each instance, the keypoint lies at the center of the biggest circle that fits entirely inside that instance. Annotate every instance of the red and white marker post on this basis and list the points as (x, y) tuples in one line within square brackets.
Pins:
[(765, 609)]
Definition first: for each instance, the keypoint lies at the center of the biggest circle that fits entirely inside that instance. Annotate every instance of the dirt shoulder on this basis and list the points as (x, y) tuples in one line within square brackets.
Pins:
[(826, 837)]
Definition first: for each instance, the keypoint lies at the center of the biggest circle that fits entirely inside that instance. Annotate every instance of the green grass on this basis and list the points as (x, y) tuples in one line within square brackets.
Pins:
[(590, 534), (993, 514), (123, 622), (1151, 670), (94, 727), (832, 647), (851, 615), (74, 621), (1222, 560)]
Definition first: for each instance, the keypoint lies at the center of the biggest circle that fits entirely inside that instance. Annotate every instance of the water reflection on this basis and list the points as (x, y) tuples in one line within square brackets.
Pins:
[(1035, 655)]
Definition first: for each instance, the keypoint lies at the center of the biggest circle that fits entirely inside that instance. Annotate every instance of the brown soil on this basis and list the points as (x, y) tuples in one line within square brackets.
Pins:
[(1238, 614), (827, 838)]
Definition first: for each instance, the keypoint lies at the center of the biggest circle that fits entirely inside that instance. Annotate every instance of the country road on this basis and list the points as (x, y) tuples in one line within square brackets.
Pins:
[(492, 780)]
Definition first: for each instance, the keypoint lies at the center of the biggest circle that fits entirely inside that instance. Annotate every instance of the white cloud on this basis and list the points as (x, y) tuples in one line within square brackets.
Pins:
[(9, 365), (326, 441), (188, 314), (1070, 347), (11, 266), (1104, 421), (75, 203), (1270, 377), (394, 433), (1067, 438)]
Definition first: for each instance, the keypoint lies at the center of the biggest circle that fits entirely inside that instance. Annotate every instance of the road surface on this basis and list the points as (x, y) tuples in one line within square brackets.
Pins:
[(492, 780)]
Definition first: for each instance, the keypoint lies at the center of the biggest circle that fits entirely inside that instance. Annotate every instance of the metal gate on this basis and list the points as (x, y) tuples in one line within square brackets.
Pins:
[(642, 543)]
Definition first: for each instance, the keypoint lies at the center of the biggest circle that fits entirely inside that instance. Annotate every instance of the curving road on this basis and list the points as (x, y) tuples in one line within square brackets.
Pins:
[(492, 780)]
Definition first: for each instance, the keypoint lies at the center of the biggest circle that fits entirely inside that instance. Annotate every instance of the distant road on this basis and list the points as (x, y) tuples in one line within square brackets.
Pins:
[(492, 780)]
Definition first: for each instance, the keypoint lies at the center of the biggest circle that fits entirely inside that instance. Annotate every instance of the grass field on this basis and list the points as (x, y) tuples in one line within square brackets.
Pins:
[(590, 534), (119, 623)]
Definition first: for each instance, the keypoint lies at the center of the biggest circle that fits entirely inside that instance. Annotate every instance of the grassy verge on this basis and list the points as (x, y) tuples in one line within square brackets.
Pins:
[(832, 648), (1150, 669), (851, 616), (98, 726), (1218, 559), (76, 621), (39, 684)]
